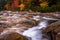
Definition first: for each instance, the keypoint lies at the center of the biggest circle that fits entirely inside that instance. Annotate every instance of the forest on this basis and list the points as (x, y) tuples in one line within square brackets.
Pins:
[(34, 5)]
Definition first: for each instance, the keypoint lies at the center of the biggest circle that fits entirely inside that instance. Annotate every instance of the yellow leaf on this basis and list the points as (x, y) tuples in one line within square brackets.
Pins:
[(22, 6), (6, 6), (44, 4)]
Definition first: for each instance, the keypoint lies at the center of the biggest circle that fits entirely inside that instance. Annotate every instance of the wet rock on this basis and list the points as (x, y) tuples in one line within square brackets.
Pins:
[(52, 26), (4, 25), (53, 15), (53, 30), (58, 37), (14, 36)]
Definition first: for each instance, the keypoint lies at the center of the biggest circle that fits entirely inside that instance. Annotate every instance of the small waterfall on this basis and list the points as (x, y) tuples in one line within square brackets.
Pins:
[(35, 33)]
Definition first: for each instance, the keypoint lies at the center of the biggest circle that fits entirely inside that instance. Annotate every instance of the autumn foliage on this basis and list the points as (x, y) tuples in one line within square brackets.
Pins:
[(29, 4)]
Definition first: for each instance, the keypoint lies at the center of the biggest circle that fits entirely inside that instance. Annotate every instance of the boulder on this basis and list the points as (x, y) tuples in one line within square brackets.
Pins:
[(14, 36)]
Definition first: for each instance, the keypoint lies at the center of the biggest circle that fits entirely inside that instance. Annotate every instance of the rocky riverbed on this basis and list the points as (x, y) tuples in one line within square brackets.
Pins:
[(28, 24)]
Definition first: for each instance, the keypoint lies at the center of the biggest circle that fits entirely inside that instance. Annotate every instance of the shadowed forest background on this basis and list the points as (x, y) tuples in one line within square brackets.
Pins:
[(34, 5)]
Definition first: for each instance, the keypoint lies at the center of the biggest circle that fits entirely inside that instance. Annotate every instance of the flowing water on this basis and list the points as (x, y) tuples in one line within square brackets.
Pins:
[(33, 33)]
